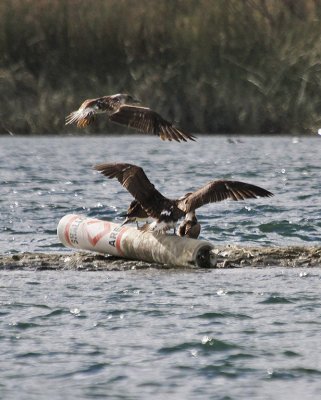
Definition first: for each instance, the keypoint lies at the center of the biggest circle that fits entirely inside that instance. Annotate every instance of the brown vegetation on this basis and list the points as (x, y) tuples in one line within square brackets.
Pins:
[(246, 66)]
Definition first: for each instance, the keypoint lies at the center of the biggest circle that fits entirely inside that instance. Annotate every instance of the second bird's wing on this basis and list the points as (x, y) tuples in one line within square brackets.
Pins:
[(219, 190)]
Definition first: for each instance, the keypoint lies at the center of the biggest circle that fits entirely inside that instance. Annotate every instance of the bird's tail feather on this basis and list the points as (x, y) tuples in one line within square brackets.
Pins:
[(82, 119)]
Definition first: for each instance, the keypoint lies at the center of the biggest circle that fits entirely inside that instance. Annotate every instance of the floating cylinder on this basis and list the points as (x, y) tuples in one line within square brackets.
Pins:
[(127, 242)]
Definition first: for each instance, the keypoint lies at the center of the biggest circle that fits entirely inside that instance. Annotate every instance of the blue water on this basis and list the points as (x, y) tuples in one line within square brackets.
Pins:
[(43, 178), (198, 334)]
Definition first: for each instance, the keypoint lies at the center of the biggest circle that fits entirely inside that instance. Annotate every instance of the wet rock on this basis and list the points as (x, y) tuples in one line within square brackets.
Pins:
[(227, 257), (292, 256)]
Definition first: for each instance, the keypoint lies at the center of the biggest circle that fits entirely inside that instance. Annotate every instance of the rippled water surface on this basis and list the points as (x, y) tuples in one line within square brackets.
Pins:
[(203, 334), (42, 179)]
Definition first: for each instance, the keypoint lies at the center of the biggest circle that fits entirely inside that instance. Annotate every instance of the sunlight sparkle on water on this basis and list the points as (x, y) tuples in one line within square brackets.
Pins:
[(206, 339)]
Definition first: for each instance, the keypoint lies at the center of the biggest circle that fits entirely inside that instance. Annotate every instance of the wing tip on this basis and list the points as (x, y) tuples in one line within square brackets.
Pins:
[(185, 136)]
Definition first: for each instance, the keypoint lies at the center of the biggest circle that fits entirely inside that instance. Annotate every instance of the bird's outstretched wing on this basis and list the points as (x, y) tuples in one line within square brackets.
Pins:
[(220, 190), (134, 179), (148, 121)]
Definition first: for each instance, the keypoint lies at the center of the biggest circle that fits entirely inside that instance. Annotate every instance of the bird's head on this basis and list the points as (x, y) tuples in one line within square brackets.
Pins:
[(125, 98), (191, 216), (185, 196)]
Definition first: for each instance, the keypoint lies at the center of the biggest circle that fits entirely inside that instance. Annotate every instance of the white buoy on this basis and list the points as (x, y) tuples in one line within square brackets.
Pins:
[(128, 242)]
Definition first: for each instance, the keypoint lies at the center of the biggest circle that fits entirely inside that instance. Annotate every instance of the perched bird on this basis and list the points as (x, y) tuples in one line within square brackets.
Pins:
[(135, 213), (166, 212), (190, 226), (142, 119)]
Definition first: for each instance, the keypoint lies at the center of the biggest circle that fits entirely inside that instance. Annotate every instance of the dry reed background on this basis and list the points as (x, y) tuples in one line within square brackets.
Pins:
[(246, 66)]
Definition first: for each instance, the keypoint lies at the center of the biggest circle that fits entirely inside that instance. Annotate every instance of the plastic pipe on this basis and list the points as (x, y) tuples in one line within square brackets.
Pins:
[(128, 242)]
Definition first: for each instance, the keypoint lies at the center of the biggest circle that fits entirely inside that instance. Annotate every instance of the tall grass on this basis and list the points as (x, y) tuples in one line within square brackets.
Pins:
[(250, 66)]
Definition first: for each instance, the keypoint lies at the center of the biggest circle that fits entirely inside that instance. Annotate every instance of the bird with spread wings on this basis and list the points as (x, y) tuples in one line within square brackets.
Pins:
[(119, 109), (166, 212)]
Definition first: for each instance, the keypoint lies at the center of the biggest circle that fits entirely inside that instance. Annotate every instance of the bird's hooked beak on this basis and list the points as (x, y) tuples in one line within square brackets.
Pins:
[(127, 221)]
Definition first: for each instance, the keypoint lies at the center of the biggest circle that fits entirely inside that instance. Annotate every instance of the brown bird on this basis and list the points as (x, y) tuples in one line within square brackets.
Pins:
[(135, 213), (167, 212), (142, 119), (190, 226)]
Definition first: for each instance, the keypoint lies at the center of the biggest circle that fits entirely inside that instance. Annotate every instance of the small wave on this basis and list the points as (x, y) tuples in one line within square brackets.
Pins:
[(224, 370), (240, 356), (29, 355), (293, 373), (206, 345), (215, 315), (24, 325), (91, 369), (276, 300), (290, 353), (53, 313), (281, 227)]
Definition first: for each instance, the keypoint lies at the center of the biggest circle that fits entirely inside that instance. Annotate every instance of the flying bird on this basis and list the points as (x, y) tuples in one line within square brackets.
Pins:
[(166, 212), (119, 109)]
